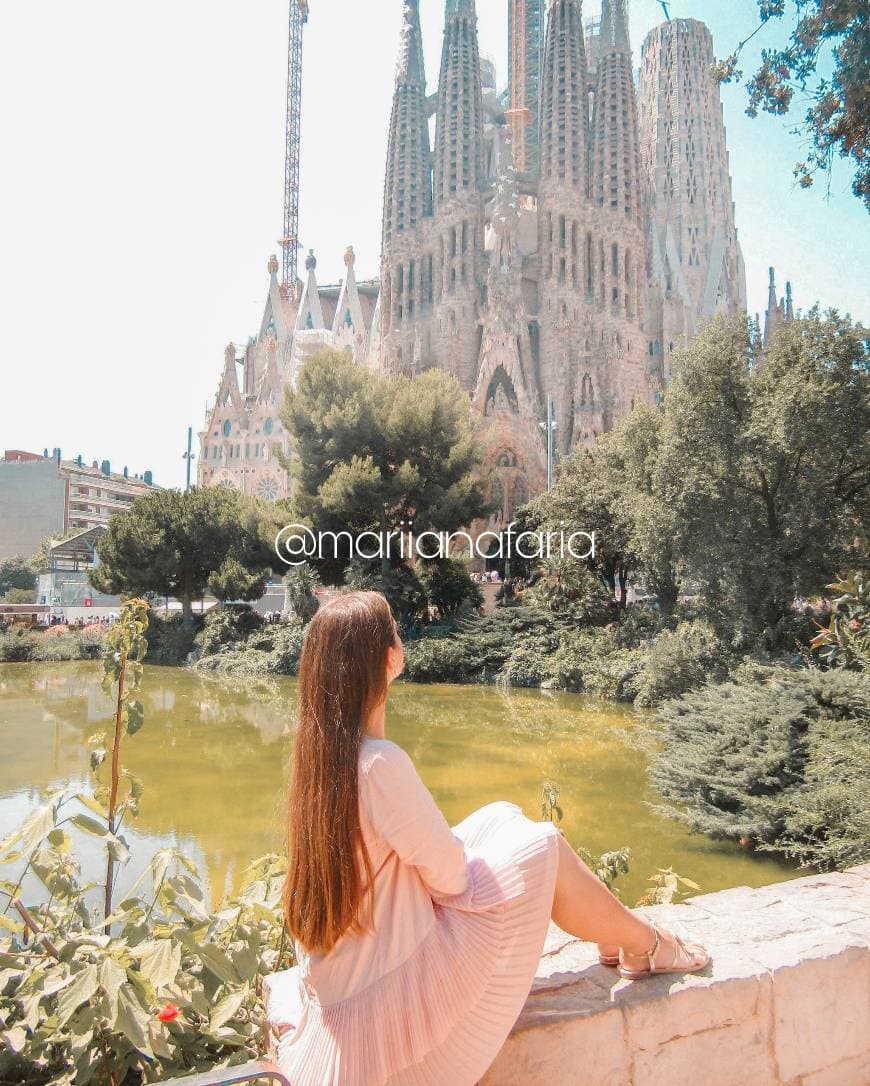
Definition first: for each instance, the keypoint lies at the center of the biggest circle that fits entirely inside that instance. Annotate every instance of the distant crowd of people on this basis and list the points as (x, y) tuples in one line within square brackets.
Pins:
[(487, 577)]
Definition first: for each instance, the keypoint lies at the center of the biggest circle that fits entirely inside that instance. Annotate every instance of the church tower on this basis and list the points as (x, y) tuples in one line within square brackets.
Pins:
[(407, 199), (696, 266), (564, 227), (618, 254), (457, 231)]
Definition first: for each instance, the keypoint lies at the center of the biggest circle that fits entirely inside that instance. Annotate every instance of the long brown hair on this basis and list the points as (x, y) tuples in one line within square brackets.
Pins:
[(342, 677)]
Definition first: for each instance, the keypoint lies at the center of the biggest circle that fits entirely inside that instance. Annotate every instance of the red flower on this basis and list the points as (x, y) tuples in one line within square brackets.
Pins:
[(168, 1013)]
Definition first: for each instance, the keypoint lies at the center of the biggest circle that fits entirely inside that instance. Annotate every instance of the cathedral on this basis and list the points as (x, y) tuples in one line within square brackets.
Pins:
[(550, 244)]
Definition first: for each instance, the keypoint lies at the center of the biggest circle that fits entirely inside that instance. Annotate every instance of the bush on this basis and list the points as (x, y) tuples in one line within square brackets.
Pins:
[(783, 765), (225, 625), (593, 661), (167, 952), (568, 590), (679, 661), (57, 649), (169, 641), (18, 646), (434, 660), (401, 587), (272, 649), (448, 586)]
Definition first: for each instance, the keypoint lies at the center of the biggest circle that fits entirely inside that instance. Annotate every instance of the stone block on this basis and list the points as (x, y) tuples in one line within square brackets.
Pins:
[(821, 1011), (731, 1055), (853, 1072), (590, 1050), (695, 1008)]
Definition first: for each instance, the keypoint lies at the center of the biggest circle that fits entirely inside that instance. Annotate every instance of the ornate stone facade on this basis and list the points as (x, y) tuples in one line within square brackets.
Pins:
[(242, 434), (571, 280), (538, 291)]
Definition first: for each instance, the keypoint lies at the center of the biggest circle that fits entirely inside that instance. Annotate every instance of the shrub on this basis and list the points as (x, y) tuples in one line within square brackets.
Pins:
[(782, 765), (57, 649), (169, 641), (679, 661), (568, 590), (593, 661), (448, 586), (401, 587), (434, 660), (272, 649), (18, 646), (225, 625)]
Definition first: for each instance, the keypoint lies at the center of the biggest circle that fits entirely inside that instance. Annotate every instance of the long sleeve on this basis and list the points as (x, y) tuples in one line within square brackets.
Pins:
[(405, 815)]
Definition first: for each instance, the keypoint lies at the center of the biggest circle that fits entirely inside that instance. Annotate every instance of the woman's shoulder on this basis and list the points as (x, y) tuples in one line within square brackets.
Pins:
[(380, 755)]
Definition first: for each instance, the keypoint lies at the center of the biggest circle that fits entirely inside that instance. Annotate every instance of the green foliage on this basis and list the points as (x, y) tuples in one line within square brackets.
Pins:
[(80, 1004), (837, 119), (399, 584), (782, 764), (25, 646), (479, 647), (434, 660), (594, 661), (762, 495), (845, 642), (17, 573), (300, 584), (170, 641), (184, 544), (225, 625), (666, 886), (373, 452), (272, 649), (20, 595), (448, 586), (681, 660), (568, 590)]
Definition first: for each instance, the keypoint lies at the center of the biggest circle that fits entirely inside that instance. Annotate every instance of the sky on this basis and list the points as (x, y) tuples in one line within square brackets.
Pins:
[(141, 195)]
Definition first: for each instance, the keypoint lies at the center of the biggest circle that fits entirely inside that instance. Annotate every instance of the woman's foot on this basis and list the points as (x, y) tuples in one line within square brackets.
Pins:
[(668, 954), (608, 954)]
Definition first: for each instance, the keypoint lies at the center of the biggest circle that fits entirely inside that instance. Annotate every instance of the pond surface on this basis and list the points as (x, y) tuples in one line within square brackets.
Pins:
[(214, 753)]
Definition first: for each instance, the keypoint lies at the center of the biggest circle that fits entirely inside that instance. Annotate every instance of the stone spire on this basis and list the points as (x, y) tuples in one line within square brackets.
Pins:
[(615, 166), (564, 98), (614, 25), (407, 188), (775, 313), (459, 123)]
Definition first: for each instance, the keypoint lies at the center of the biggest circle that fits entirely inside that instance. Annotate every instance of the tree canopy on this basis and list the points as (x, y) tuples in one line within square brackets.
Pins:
[(178, 544), (752, 483), (837, 117), (373, 452)]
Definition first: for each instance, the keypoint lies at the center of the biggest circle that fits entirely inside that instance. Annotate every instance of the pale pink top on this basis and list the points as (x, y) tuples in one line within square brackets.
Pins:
[(460, 916)]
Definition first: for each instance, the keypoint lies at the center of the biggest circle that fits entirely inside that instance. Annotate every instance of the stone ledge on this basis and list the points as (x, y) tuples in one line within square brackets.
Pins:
[(785, 1002)]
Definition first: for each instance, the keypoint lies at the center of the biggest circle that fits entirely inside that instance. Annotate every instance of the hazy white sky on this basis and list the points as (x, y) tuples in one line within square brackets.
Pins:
[(141, 195)]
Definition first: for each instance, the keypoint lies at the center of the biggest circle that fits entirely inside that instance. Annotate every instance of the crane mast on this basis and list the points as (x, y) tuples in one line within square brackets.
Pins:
[(293, 138)]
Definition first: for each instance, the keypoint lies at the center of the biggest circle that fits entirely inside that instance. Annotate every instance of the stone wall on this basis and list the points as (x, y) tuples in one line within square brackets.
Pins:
[(785, 1002)]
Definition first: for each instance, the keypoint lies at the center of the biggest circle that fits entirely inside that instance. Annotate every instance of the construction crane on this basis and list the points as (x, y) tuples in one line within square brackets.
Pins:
[(665, 10), (525, 25), (293, 136)]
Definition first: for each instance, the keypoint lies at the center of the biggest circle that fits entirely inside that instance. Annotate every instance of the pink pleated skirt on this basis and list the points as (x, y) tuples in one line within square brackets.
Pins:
[(442, 1015)]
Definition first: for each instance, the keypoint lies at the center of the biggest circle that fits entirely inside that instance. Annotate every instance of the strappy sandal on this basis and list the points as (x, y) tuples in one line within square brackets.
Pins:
[(685, 958), (609, 959)]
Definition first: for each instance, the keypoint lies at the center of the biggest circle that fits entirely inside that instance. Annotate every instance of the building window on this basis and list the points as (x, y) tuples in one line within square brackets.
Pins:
[(227, 428), (268, 426)]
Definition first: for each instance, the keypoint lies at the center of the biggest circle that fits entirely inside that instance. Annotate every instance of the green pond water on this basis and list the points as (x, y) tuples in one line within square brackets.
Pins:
[(213, 755)]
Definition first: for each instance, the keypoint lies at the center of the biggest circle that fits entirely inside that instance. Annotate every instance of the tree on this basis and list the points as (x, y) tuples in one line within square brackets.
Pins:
[(764, 470), (837, 120), (375, 453), (16, 573), (182, 544), (609, 490)]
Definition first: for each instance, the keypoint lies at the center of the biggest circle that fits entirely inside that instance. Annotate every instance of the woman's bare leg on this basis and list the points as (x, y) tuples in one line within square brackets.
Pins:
[(583, 906)]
